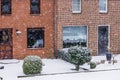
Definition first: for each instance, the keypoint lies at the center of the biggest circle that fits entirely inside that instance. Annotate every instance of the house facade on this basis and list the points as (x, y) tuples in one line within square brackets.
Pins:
[(26, 28), (41, 27), (89, 23)]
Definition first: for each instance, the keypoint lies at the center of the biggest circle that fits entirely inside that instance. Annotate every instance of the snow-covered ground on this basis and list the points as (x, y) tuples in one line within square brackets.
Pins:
[(55, 66)]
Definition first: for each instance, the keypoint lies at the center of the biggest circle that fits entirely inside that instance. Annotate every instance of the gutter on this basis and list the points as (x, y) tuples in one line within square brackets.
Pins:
[(54, 23)]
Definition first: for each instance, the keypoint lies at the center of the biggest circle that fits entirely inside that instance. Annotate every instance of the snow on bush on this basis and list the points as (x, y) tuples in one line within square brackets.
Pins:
[(63, 54), (32, 65), (79, 55)]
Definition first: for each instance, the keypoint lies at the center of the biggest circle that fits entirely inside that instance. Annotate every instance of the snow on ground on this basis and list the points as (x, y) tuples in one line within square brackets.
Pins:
[(14, 69)]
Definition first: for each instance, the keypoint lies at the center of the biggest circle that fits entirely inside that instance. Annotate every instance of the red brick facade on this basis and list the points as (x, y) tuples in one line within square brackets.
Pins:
[(21, 19), (90, 17)]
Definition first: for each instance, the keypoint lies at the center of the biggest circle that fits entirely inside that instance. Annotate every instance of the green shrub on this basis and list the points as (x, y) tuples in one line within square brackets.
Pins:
[(63, 54), (92, 65), (32, 65), (79, 56)]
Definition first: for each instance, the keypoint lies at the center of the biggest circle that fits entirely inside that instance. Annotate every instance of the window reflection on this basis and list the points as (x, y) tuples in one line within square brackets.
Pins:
[(35, 38), (74, 35), (5, 6), (103, 5), (4, 38), (35, 7)]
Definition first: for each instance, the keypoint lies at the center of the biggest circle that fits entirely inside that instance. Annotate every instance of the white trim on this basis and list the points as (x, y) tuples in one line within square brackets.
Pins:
[(104, 11), (79, 11), (87, 37), (76, 11), (108, 35)]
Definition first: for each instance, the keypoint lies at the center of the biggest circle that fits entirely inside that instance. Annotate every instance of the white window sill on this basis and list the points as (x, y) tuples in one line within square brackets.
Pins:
[(103, 11), (76, 11)]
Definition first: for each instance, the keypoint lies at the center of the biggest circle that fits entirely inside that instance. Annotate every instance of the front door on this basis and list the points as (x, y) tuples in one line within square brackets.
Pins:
[(5, 43), (103, 39)]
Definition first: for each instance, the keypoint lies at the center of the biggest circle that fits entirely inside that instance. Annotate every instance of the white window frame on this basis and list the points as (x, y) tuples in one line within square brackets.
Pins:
[(103, 11), (76, 11)]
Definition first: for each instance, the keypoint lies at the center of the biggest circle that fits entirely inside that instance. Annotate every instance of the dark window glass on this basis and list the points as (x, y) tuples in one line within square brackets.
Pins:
[(35, 38), (4, 37), (5, 6), (74, 36), (35, 7)]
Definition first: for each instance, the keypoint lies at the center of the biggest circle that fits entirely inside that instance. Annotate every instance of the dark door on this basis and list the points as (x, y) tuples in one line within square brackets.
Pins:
[(103, 35), (5, 43)]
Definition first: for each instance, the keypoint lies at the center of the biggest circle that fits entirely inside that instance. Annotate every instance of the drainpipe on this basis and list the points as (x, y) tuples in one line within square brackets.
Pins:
[(54, 22)]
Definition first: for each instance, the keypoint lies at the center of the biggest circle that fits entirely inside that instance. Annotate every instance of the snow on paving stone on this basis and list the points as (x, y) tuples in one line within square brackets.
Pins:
[(105, 66), (56, 66), (110, 75), (11, 71)]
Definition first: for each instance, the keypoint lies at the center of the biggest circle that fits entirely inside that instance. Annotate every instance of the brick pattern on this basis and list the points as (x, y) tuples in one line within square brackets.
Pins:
[(21, 19), (91, 17)]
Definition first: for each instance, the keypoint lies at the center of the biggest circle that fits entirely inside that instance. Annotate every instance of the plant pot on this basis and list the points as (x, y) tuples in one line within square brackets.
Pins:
[(108, 56), (92, 65)]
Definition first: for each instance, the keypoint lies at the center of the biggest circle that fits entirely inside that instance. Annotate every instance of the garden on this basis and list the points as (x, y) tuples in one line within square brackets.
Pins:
[(78, 64)]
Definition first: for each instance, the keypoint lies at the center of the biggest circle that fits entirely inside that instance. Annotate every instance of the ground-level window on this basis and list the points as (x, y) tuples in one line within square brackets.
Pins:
[(5, 7), (35, 38), (74, 35)]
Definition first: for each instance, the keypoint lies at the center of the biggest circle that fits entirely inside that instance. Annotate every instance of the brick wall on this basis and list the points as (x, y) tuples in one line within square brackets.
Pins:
[(21, 19), (91, 17)]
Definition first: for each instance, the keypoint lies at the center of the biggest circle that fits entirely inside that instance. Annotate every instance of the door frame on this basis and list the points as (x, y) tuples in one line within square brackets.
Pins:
[(98, 35)]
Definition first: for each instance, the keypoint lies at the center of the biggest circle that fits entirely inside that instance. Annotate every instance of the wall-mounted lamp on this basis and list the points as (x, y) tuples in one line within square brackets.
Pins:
[(18, 32)]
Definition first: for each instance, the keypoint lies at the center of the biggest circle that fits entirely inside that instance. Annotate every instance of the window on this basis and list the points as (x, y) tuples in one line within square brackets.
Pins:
[(35, 38), (35, 7), (74, 35), (103, 6), (76, 6), (4, 36), (5, 7)]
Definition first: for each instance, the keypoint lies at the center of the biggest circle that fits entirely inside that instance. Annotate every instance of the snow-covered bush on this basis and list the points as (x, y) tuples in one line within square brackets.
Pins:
[(63, 54), (92, 65), (32, 65), (79, 55)]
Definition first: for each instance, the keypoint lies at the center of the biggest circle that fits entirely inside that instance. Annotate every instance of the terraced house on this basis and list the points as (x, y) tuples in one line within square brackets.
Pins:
[(89, 23), (41, 27), (26, 28)]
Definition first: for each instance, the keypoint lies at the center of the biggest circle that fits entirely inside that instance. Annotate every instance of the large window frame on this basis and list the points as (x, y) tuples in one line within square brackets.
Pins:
[(76, 6), (103, 6), (75, 36), (35, 7), (6, 7), (35, 38)]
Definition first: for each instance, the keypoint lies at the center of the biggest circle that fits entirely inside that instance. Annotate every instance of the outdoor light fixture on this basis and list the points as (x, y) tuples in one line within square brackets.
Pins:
[(18, 32)]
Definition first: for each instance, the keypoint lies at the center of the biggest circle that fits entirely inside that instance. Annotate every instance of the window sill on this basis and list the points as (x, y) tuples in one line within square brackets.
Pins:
[(35, 48), (5, 14), (76, 12), (104, 12), (35, 14)]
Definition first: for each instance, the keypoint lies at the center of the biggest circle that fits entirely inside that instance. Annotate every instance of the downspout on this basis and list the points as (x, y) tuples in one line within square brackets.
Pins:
[(54, 22)]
